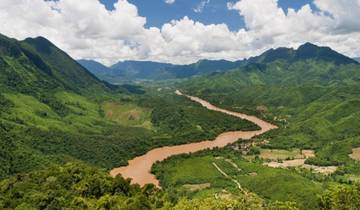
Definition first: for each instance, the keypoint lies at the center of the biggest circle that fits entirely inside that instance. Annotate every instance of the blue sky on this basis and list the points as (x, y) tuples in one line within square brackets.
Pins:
[(157, 12)]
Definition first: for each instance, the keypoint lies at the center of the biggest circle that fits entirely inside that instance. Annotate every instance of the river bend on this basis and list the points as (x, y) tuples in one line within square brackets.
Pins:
[(139, 168)]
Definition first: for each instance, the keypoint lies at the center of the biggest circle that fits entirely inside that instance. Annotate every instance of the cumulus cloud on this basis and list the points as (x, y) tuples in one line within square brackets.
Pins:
[(169, 1), (85, 29), (333, 24)]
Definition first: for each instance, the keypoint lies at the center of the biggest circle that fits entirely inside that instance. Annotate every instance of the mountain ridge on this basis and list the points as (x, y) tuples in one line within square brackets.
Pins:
[(306, 51), (149, 70), (37, 65)]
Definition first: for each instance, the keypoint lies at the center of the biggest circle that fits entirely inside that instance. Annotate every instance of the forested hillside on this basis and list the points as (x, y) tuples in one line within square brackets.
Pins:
[(53, 110), (314, 100)]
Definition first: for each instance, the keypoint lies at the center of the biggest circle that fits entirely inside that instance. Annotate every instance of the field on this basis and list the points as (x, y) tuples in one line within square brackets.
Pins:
[(269, 183), (277, 154), (128, 114)]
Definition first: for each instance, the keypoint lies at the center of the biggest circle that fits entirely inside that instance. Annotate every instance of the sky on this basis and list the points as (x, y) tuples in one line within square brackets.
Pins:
[(213, 12), (183, 31)]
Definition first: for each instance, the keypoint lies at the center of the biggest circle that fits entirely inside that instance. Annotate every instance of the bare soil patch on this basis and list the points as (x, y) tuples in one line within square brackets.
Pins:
[(278, 154), (355, 155), (196, 187), (305, 154), (308, 153), (286, 163), (321, 169)]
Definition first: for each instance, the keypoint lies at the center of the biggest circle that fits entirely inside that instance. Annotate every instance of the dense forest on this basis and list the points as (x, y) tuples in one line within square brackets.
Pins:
[(79, 186)]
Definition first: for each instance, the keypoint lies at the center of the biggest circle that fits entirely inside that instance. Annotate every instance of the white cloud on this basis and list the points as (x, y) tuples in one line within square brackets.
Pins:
[(200, 7), (169, 1), (85, 29)]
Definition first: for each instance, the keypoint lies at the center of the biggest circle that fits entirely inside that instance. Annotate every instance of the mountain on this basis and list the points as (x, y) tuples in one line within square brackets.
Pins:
[(62, 130), (313, 90), (306, 51), (95, 68), (357, 59), (203, 67), (140, 70), (36, 65), (148, 70), (52, 110)]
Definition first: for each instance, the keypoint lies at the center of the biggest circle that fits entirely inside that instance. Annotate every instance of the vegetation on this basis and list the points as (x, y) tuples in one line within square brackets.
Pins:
[(188, 121), (269, 183), (78, 186), (53, 110), (147, 70), (315, 103), (75, 186), (128, 114), (61, 129), (341, 197)]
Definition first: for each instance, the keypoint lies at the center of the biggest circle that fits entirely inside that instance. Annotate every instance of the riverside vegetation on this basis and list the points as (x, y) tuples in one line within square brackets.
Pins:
[(62, 129)]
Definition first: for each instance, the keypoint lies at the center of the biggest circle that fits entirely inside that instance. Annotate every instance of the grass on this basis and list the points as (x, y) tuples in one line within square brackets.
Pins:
[(128, 114), (278, 154), (29, 111), (84, 114)]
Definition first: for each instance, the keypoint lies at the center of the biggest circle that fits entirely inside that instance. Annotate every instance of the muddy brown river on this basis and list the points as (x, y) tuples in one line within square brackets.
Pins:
[(139, 168)]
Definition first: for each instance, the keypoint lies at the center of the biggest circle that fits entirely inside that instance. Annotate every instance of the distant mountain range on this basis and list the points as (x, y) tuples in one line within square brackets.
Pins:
[(357, 59), (147, 70)]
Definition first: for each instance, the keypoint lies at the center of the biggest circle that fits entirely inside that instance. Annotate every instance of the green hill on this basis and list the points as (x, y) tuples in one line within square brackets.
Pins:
[(315, 99), (36, 65), (53, 111), (307, 51)]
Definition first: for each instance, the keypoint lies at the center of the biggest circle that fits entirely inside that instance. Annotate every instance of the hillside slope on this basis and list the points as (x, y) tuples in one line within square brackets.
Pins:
[(52, 111), (61, 129), (307, 51), (37, 65), (314, 99)]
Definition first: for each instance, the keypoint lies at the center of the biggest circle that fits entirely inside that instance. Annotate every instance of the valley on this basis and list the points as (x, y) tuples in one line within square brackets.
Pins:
[(139, 168), (179, 105), (275, 131)]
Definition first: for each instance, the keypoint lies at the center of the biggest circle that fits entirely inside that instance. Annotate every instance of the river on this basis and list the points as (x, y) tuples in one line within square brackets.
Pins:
[(139, 168)]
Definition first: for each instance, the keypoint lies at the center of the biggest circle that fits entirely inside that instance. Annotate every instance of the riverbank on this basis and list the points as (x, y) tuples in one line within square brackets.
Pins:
[(139, 168)]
